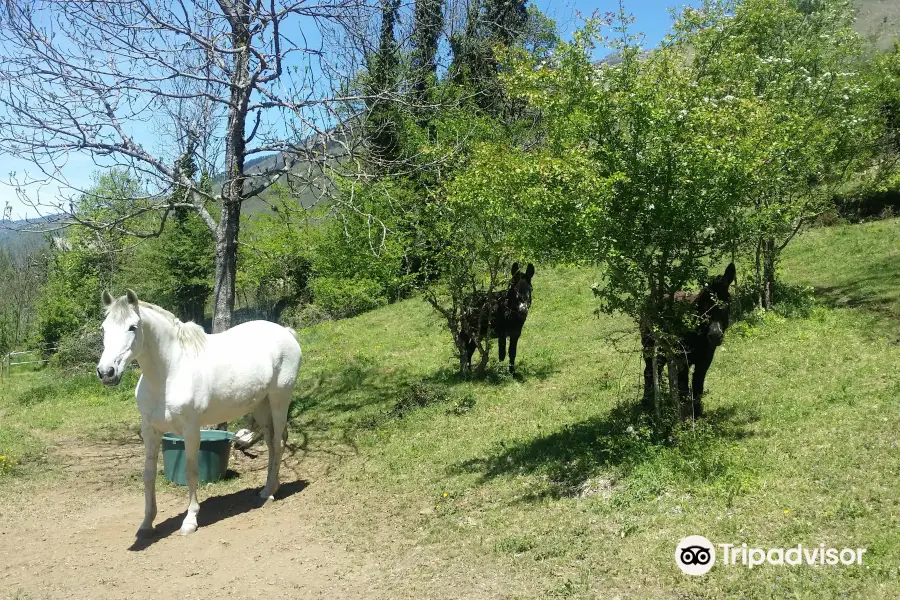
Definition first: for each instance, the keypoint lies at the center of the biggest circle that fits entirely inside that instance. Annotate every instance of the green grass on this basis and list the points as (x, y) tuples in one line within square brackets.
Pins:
[(39, 406), (539, 478)]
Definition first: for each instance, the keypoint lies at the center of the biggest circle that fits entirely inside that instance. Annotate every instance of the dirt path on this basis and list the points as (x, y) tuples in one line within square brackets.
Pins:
[(75, 539)]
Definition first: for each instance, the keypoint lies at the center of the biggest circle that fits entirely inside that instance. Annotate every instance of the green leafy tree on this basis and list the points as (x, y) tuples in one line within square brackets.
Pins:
[(275, 258), (796, 66), (86, 260), (381, 80), (664, 167)]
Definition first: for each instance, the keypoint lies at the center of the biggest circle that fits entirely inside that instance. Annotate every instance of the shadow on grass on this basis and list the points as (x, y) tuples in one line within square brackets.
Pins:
[(572, 455), (875, 290), (495, 374), (360, 382), (215, 509)]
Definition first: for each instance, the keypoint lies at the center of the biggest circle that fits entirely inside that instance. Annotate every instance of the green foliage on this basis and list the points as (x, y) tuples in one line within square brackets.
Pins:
[(662, 165), (447, 224), (346, 297), (87, 260), (380, 82), (809, 112), (276, 253), (24, 272)]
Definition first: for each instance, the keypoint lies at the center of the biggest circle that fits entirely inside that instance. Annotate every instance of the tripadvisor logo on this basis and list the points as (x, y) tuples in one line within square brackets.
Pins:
[(696, 555)]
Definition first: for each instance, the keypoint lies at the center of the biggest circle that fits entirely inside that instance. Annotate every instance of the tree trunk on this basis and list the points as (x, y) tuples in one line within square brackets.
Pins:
[(226, 266), (768, 290), (759, 284), (233, 188), (463, 353)]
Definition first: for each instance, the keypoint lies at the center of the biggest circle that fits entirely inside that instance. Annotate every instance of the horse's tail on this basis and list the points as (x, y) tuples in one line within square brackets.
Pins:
[(294, 333)]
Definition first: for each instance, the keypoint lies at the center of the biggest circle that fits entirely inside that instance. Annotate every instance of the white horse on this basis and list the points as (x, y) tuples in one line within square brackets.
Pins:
[(190, 378)]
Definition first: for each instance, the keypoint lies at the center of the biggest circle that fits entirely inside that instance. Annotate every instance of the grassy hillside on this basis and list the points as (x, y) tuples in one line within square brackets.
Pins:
[(540, 480)]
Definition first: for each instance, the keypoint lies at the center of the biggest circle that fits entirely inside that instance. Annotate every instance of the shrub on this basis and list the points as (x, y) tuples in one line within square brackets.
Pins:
[(80, 349), (301, 316), (346, 297)]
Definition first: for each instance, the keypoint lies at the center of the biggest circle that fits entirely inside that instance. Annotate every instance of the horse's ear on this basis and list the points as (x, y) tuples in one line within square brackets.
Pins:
[(529, 272), (515, 268), (132, 298), (107, 299), (730, 274)]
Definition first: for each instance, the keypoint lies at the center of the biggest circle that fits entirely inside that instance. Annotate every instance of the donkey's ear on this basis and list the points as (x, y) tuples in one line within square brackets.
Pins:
[(529, 271), (107, 299), (132, 298), (730, 274), (515, 268)]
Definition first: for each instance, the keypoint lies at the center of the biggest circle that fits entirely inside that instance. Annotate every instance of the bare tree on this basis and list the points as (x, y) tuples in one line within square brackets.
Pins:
[(23, 271), (241, 77)]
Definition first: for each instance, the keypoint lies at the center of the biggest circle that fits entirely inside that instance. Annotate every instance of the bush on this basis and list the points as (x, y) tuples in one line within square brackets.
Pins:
[(341, 297), (868, 206), (80, 349), (301, 316)]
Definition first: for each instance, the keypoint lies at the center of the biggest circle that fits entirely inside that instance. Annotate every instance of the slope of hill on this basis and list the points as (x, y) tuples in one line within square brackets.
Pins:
[(879, 19), (23, 235), (544, 484)]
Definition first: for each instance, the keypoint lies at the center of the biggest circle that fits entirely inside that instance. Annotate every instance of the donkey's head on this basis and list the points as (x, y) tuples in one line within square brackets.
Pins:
[(713, 306), (518, 298), (122, 336)]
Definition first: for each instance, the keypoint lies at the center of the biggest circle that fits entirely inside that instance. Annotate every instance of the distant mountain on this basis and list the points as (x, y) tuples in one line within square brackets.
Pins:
[(879, 20), (316, 182), (24, 235)]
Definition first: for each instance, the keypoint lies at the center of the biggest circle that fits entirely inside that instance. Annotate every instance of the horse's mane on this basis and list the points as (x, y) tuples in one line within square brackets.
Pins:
[(190, 336)]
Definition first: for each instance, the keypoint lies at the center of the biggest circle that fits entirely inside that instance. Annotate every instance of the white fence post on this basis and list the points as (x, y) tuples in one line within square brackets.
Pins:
[(23, 353)]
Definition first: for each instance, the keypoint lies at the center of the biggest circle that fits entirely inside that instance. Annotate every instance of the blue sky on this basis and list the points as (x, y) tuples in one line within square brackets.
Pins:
[(651, 18)]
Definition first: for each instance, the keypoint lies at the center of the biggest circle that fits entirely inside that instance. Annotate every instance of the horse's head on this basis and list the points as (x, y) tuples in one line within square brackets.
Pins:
[(122, 336), (713, 306), (518, 297)]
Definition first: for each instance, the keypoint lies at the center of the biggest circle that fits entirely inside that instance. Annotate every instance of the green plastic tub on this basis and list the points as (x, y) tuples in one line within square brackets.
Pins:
[(215, 448)]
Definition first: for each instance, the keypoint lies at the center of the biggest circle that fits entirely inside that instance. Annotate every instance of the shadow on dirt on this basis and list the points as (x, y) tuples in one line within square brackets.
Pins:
[(215, 509)]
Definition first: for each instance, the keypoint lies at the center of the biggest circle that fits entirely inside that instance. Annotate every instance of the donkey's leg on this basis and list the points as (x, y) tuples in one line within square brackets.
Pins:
[(152, 439), (684, 392), (470, 351), (279, 403), (513, 344), (501, 348), (703, 363), (192, 472)]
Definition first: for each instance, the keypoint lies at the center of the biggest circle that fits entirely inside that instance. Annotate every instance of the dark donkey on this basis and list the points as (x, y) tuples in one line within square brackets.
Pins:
[(697, 347), (505, 314)]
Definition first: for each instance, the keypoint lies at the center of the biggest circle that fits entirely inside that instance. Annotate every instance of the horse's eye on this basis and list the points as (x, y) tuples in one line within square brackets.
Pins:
[(132, 328)]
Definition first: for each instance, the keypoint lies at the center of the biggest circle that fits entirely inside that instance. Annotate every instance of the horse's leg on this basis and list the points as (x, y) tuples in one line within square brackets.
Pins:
[(263, 416), (513, 345), (152, 439), (192, 472), (501, 351), (279, 403)]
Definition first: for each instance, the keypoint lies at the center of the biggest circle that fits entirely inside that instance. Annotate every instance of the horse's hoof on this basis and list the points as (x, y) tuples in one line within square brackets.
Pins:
[(188, 529), (265, 500), (144, 533)]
